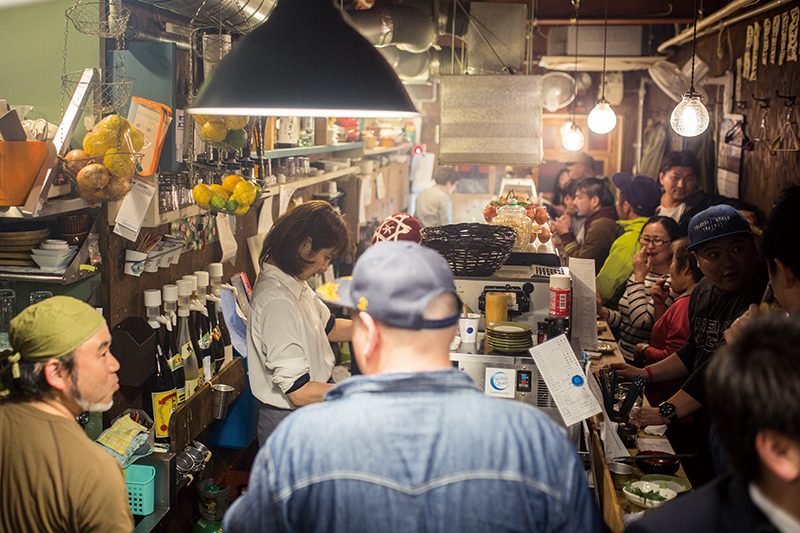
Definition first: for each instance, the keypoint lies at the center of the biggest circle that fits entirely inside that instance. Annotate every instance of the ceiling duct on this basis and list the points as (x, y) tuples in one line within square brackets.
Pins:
[(407, 65), (408, 28), (496, 29), (233, 15)]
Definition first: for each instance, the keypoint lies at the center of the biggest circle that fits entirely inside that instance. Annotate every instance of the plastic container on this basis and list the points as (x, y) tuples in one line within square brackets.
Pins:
[(20, 162), (560, 297), (515, 217), (141, 481)]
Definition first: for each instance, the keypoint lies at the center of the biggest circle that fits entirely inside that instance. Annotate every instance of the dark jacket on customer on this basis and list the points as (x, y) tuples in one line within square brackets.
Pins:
[(600, 231), (724, 505)]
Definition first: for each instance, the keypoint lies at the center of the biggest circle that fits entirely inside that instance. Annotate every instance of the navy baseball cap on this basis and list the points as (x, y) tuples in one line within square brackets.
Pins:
[(642, 192), (714, 223), (394, 282)]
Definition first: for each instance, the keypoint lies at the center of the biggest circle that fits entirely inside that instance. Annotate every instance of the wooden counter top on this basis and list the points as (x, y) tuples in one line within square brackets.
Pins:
[(613, 503)]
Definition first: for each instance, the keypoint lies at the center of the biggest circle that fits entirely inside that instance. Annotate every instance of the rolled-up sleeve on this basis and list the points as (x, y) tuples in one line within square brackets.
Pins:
[(285, 357)]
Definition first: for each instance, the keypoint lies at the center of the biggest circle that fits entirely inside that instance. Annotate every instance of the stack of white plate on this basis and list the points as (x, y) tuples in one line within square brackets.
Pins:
[(54, 255), (509, 337)]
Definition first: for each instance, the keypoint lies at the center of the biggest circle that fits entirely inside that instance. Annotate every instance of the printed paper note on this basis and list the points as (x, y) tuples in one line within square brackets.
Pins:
[(584, 306)]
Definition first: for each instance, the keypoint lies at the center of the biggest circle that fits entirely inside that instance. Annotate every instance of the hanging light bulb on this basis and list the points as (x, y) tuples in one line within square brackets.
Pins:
[(602, 118), (571, 137), (690, 116)]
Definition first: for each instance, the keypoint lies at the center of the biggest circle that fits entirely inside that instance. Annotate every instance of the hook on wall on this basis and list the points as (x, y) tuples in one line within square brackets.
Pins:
[(789, 100), (741, 105), (762, 102)]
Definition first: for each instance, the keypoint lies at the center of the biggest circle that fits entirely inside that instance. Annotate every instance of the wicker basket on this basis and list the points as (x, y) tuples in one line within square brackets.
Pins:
[(471, 249)]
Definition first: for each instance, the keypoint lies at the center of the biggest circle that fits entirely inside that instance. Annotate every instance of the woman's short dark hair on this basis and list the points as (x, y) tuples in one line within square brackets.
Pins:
[(683, 258), (316, 220), (752, 385), (445, 175), (32, 384), (597, 187), (684, 158), (778, 241), (570, 189), (673, 230)]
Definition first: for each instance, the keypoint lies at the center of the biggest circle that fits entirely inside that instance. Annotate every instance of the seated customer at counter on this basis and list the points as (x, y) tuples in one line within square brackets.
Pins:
[(637, 199), (594, 203), (432, 452), (759, 427), (289, 329), (721, 240), (52, 477)]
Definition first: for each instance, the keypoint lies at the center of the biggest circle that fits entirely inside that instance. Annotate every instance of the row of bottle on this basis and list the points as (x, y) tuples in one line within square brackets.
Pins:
[(193, 342)]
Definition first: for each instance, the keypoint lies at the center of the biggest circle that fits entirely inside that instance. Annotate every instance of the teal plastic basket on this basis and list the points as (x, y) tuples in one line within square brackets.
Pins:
[(141, 482)]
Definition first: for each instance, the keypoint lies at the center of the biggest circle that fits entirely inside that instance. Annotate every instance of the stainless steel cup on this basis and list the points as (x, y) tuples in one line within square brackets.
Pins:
[(221, 396)]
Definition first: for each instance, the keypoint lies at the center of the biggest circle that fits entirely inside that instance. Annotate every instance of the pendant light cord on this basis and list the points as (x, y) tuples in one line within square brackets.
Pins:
[(577, 4), (605, 43), (694, 46)]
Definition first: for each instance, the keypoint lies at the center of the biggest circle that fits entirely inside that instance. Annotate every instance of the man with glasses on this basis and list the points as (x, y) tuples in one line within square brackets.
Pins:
[(637, 199), (722, 242), (595, 203)]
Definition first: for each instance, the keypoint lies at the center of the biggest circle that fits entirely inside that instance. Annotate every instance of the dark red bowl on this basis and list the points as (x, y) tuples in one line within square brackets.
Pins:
[(656, 465)]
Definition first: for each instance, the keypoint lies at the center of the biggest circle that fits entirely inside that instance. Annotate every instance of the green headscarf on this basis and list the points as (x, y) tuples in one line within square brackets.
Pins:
[(52, 328)]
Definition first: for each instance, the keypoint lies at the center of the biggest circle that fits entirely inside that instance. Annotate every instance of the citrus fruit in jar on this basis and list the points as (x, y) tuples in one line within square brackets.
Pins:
[(202, 195), (242, 210), (214, 131), (112, 130), (202, 119), (245, 193), (230, 182), (218, 190), (236, 139), (96, 144), (119, 163), (233, 122), (218, 201), (231, 206)]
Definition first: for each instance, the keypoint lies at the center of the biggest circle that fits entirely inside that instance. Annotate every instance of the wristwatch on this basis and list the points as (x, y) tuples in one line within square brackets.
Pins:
[(668, 411)]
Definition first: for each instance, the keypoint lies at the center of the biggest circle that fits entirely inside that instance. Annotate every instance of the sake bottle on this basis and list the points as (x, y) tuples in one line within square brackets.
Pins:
[(215, 271), (159, 392), (169, 344), (191, 368), (215, 334)]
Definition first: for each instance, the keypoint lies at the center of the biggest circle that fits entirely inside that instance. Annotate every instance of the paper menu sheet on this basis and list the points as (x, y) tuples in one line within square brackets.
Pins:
[(133, 210), (654, 444), (565, 380), (584, 306)]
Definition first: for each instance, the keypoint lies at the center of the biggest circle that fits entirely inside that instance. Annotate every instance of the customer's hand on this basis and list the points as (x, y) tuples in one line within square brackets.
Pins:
[(602, 311), (628, 371), (646, 416), (732, 333), (562, 225), (660, 292), (641, 265)]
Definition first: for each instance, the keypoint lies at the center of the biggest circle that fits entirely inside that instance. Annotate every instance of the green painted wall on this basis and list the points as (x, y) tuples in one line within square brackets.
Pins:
[(31, 54)]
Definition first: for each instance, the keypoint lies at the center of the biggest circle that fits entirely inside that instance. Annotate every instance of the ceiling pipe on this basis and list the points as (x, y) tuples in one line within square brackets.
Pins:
[(613, 22), (408, 28), (717, 20)]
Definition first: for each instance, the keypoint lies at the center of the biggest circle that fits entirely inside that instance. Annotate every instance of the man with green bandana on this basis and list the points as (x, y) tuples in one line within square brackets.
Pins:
[(52, 477)]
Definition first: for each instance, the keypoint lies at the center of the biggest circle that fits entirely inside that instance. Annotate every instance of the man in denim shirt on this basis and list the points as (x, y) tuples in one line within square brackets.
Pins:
[(432, 452)]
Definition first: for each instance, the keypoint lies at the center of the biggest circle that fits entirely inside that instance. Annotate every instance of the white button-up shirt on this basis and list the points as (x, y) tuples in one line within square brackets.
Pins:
[(285, 336)]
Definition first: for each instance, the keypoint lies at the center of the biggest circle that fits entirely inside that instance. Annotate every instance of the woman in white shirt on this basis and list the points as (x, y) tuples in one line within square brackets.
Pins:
[(289, 329)]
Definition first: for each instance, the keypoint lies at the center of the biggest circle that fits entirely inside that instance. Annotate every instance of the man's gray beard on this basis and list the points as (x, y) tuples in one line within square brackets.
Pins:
[(86, 405)]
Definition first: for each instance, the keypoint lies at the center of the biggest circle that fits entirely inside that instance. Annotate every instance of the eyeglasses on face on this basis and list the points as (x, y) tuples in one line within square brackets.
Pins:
[(647, 241)]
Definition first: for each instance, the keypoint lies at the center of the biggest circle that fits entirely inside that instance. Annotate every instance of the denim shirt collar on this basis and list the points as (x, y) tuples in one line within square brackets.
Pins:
[(450, 380)]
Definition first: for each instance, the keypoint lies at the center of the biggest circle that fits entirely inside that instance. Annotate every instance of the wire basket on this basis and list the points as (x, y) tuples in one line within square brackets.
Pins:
[(471, 249), (106, 97), (94, 18), (226, 132), (102, 178)]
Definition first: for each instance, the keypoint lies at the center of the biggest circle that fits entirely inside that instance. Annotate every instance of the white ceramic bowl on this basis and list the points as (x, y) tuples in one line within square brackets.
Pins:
[(51, 253), (647, 486), (51, 246), (55, 241), (51, 263)]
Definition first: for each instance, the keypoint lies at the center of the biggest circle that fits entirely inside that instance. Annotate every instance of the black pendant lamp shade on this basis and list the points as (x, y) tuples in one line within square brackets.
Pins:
[(305, 60)]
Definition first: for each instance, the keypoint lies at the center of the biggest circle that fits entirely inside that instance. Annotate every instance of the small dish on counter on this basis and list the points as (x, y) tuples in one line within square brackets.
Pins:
[(669, 482), (648, 495)]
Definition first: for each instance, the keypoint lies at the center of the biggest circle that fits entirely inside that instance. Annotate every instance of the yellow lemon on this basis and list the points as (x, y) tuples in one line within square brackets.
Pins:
[(214, 131), (112, 130), (229, 182), (235, 122), (244, 192), (202, 119), (137, 139), (94, 144), (242, 209), (202, 195), (119, 163), (218, 190)]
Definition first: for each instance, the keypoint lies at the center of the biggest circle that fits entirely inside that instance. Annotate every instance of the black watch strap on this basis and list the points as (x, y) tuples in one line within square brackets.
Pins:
[(668, 411)]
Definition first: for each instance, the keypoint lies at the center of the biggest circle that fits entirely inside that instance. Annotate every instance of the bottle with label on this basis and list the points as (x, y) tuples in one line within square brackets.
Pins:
[(169, 345), (217, 346), (191, 367), (215, 271), (160, 395), (200, 329)]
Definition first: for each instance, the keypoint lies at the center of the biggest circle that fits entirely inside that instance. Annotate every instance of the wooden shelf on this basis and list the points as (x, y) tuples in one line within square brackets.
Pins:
[(388, 150), (275, 190), (56, 206), (307, 150), (154, 218)]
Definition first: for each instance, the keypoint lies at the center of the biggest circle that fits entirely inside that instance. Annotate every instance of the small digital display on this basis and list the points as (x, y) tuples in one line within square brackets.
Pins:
[(524, 380)]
